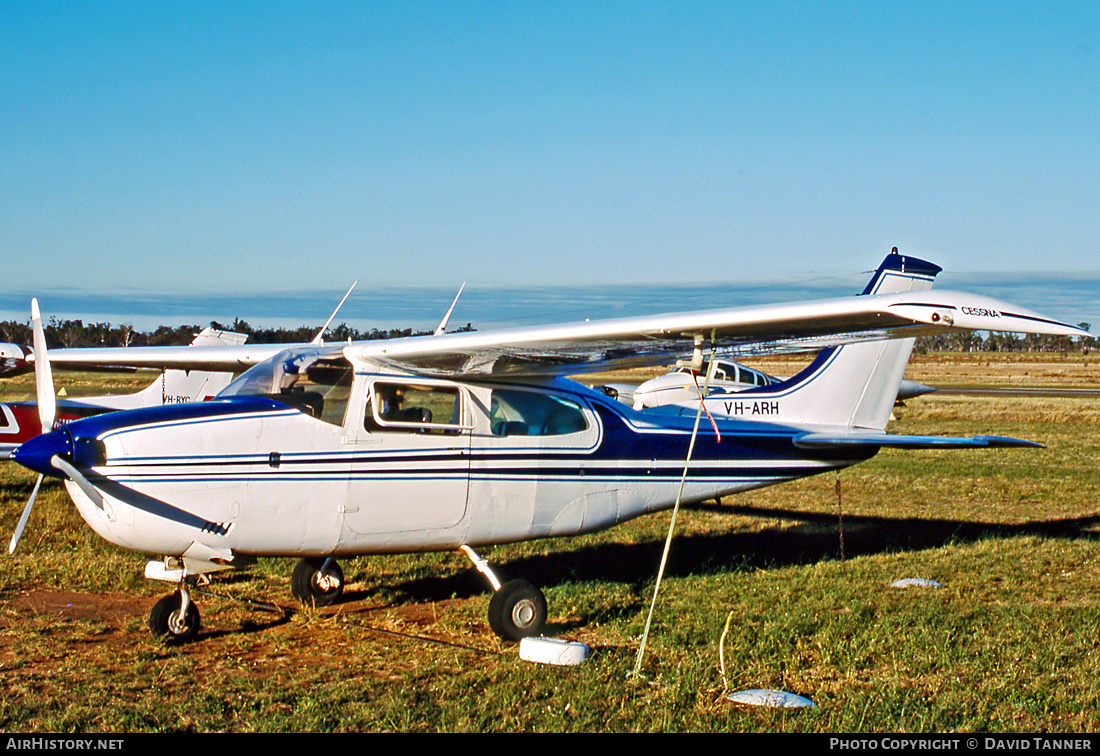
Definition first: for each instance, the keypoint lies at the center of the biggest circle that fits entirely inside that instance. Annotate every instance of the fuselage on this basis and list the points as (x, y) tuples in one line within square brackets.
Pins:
[(457, 463)]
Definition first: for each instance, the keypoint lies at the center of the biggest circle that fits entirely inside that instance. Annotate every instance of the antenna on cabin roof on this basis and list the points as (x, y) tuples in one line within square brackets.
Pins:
[(320, 334), (442, 327)]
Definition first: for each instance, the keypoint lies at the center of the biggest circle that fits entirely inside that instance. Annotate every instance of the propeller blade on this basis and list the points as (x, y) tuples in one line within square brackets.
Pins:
[(78, 477), (26, 516), (43, 376)]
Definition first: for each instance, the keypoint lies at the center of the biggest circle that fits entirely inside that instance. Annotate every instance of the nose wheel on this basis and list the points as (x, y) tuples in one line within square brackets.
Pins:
[(317, 582), (517, 610), (175, 618)]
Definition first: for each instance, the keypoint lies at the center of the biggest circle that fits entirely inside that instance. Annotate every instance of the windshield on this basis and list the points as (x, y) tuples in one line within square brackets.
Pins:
[(317, 384), (268, 377)]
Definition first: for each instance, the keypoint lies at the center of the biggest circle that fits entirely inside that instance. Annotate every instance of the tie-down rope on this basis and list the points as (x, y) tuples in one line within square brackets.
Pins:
[(676, 505)]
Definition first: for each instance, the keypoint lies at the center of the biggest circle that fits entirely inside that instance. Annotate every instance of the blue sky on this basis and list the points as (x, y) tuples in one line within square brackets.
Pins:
[(184, 147)]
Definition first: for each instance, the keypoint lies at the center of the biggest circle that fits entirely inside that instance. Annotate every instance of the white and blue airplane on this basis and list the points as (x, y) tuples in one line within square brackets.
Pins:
[(682, 385), (463, 440)]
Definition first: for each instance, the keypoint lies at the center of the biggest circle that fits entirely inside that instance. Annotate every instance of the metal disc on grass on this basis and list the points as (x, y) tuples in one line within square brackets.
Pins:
[(776, 699)]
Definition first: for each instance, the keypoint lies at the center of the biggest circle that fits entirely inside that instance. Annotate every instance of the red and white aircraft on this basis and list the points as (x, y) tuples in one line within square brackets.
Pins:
[(19, 421)]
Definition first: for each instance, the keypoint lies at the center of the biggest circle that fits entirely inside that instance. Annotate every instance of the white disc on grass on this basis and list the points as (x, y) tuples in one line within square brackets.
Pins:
[(915, 583), (555, 651)]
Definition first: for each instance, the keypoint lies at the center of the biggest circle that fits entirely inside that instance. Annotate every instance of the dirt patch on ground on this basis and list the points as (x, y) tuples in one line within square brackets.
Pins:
[(112, 609), (103, 622)]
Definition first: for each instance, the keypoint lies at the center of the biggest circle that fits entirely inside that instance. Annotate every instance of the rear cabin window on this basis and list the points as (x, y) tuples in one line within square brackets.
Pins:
[(528, 413)]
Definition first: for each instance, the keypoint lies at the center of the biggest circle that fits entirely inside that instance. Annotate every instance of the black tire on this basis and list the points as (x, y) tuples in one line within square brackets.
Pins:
[(517, 611), (165, 623), (317, 582)]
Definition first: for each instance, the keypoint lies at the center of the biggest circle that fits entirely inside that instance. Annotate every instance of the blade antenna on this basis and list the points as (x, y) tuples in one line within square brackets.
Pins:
[(675, 512), (443, 323), (321, 333)]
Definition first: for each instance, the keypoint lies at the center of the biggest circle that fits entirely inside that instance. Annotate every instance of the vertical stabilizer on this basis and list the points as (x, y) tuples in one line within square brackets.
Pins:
[(175, 386), (884, 362), (853, 385)]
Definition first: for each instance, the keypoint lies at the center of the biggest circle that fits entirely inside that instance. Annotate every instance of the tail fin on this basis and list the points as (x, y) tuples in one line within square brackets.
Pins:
[(179, 386), (853, 385)]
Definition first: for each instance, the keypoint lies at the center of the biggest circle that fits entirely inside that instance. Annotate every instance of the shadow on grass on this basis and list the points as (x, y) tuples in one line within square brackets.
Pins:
[(813, 538)]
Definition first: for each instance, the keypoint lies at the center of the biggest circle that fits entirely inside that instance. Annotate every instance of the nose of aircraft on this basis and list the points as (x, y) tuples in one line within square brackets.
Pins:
[(13, 360), (36, 453)]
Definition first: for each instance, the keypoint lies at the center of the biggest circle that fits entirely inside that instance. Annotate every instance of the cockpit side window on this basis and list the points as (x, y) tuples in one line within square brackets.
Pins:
[(410, 408), (515, 412)]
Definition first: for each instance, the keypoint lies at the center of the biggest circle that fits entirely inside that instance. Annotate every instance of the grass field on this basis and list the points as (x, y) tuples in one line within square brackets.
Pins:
[(801, 574)]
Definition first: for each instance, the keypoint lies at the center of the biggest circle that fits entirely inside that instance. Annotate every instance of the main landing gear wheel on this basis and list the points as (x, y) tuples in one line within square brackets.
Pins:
[(166, 622), (517, 610), (317, 582)]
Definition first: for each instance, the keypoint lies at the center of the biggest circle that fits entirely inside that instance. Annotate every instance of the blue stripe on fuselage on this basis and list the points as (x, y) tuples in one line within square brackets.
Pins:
[(634, 441), (94, 427), (740, 442)]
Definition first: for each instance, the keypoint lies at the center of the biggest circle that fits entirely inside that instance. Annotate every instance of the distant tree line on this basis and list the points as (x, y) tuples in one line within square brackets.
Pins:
[(994, 341), (70, 334)]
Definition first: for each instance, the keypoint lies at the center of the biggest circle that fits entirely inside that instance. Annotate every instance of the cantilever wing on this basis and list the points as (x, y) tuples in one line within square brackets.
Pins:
[(657, 339), (229, 358), (625, 342)]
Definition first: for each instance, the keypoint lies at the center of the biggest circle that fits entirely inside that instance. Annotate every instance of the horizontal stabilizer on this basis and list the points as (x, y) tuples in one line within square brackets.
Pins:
[(895, 441)]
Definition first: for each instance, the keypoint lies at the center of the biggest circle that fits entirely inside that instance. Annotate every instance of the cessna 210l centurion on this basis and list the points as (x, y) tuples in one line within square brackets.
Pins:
[(463, 440)]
